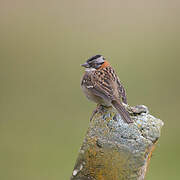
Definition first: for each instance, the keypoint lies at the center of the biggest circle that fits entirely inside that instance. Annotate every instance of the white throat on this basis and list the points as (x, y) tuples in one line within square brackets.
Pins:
[(90, 69)]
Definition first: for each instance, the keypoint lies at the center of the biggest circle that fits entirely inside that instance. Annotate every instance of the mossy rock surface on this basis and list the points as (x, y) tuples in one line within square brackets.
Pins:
[(114, 150)]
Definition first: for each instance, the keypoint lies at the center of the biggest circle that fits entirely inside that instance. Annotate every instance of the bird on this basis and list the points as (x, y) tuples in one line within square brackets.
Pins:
[(101, 85)]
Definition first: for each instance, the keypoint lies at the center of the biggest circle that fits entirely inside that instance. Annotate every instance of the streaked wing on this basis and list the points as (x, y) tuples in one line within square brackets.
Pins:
[(122, 92), (104, 84)]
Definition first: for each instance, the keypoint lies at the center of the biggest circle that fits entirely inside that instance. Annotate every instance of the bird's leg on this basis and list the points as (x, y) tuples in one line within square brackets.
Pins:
[(99, 108)]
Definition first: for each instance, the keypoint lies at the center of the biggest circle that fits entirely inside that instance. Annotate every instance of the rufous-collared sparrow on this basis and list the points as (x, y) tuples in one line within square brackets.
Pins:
[(101, 85)]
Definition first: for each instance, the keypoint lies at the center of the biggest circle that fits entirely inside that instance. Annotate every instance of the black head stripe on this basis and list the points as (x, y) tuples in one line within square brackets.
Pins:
[(93, 58)]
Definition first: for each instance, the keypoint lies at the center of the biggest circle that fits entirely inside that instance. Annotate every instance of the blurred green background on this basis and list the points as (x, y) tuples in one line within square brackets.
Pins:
[(43, 113)]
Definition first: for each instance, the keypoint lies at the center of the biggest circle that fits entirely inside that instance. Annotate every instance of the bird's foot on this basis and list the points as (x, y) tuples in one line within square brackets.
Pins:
[(99, 109)]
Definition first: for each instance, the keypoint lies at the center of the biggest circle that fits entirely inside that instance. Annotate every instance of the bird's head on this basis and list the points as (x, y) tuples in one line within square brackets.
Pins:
[(95, 62)]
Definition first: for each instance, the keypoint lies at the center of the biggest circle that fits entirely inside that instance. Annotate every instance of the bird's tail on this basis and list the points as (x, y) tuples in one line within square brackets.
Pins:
[(122, 111)]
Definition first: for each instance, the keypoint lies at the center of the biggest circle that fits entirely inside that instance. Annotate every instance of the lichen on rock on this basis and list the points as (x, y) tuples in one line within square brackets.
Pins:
[(115, 150)]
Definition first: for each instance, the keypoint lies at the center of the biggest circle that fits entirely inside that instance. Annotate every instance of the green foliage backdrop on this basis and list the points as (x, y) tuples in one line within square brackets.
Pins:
[(43, 113)]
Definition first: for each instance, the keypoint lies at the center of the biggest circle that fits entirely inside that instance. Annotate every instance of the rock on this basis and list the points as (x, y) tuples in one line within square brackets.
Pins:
[(115, 150)]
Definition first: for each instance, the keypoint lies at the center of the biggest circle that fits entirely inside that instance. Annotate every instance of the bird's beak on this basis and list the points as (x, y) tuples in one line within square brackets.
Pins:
[(86, 65)]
